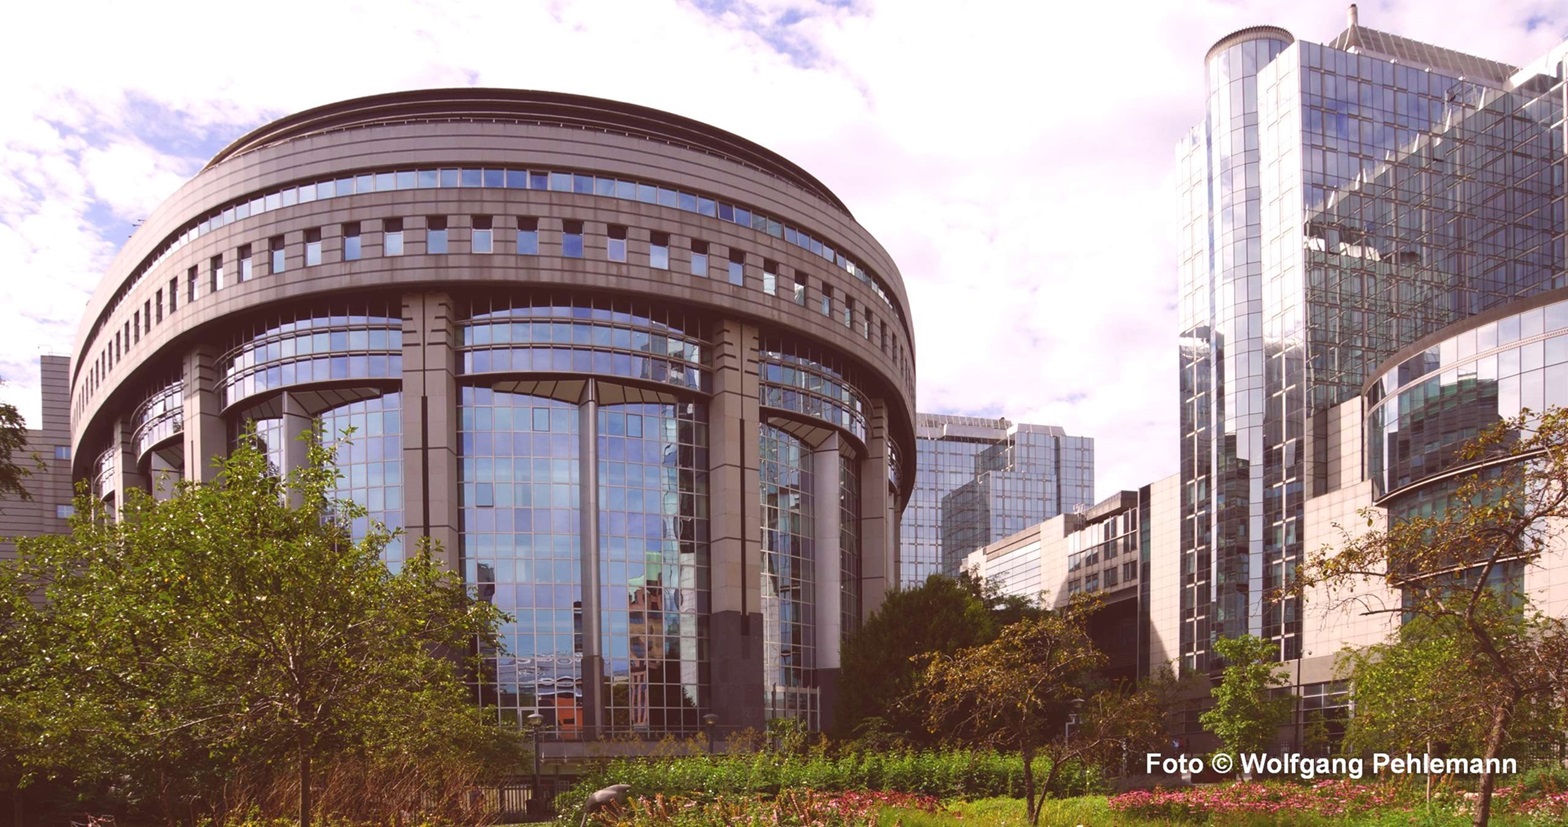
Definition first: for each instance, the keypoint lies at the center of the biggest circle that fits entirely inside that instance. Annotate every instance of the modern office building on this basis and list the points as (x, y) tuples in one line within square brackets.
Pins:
[(1124, 550), (1340, 202), (46, 458), (647, 383), (979, 480)]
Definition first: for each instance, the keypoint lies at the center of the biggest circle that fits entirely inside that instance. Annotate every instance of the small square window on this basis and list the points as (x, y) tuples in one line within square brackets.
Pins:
[(737, 268), (217, 273), (62, 452), (277, 250), (245, 263), (65, 512), (699, 258)]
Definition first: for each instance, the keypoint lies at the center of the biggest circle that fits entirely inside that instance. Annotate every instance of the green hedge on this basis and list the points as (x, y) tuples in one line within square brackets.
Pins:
[(944, 774)]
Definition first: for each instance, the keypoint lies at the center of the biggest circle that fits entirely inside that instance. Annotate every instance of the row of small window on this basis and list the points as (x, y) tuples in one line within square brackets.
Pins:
[(553, 181), (1094, 582)]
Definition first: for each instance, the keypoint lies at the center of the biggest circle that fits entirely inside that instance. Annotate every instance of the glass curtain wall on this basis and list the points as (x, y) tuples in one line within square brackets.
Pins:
[(789, 556)]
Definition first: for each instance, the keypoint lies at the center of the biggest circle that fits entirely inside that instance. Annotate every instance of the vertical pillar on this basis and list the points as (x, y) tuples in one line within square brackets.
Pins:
[(127, 471), (588, 533), (878, 526), (206, 438), (735, 524), (430, 400), (828, 602), (296, 423)]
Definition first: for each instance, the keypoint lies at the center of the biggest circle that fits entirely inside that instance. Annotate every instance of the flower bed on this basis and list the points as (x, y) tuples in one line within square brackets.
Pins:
[(804, 807), (1325, 798)]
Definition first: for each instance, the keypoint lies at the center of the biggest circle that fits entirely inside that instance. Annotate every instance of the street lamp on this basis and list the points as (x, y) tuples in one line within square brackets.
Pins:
[(708, 722), (1072, 718), (535, 723)]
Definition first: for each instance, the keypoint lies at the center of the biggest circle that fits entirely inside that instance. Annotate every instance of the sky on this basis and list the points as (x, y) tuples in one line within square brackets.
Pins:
[(1015, 159)]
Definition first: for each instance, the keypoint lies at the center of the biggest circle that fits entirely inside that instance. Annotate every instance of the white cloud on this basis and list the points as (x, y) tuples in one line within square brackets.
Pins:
[(1015, 159)]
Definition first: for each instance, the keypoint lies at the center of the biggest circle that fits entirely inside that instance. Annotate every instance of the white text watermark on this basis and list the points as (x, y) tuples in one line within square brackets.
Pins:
[(1309, 767)]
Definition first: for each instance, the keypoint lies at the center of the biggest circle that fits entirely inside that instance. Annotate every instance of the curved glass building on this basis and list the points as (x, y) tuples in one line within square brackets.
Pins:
[(648, 384)]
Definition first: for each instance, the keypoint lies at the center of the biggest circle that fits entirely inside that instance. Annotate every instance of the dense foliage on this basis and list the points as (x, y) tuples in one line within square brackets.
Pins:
[(234, 648), (878, 673), (1246, 717)]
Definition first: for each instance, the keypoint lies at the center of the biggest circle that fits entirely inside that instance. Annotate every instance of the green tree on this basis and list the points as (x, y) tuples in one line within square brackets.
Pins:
[(1457, 571), (1246, 715), (13, 444), (237, 631), (877, 667), (1016, 693)]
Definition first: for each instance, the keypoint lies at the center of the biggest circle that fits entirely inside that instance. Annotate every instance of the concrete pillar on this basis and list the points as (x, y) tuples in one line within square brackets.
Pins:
[(430, 399), (588, 514), (127, 471), (296, 423), (735, 524), (206, 437), (878, 523), (828, 600), (162, 475)]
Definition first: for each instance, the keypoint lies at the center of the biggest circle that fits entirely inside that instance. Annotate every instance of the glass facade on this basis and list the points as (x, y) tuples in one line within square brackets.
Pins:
[(789, 559), (980, 480), (1423, 410), (368, 437), (316, 346), (159, 418), (1337, 206)]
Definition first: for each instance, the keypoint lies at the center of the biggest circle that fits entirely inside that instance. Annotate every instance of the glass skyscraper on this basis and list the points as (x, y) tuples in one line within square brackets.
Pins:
[(1339, 202), (979, 480)]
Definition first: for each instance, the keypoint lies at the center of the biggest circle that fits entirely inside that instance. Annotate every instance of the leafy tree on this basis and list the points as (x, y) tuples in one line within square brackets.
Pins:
[(13, 444), (878, 672), (1246, 716), (1015, 693), (1456, 570), (235, 632)]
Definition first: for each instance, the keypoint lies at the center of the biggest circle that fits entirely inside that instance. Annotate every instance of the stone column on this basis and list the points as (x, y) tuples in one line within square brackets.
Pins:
[(878, 526), (828, 600), (735, 522), (430, 400), (588, 554), (206, 437)]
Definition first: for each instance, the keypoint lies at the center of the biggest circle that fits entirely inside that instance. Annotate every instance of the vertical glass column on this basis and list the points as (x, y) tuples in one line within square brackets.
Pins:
[(789, 557)]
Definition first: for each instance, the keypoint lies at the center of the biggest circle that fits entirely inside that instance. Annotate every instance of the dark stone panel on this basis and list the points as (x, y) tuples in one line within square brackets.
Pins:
[(735, 649)]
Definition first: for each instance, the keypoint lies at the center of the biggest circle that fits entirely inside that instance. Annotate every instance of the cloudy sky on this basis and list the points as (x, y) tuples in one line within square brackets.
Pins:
[(1015, 158)]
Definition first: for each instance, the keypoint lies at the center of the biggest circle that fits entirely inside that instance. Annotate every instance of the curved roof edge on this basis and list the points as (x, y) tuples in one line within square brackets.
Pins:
[(556, 108), (1249, 33)]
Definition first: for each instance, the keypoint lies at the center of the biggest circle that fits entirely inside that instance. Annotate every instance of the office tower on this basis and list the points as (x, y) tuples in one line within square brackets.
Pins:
[(1339, 202), (979, 480)]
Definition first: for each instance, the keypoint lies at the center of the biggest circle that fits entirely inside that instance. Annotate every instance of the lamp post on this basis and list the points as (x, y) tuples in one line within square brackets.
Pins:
[(535, 723), (708, 722)]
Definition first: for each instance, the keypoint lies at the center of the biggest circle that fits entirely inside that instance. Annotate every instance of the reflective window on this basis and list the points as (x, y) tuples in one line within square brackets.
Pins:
[(351, 246), (528, 236), (789, 557), (216, 270), (312, 247), (737, 268), (699, 258), (191, 280), (157, 419), (615, 244), (275, 246), (435, 235), (392, 237), (800, 379), (320, 345), (569, 334), (572, 239), (244, 263), (659, 251), (483, 239), (368, 439)]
